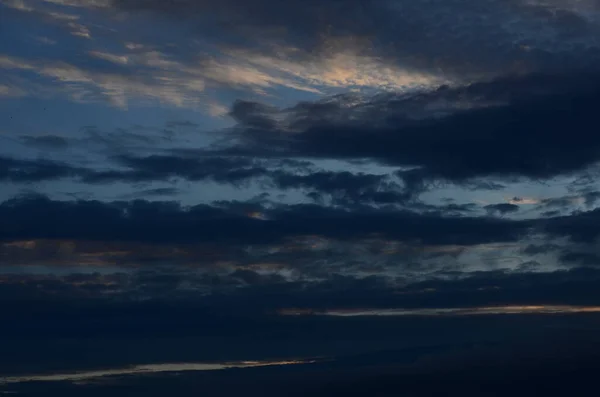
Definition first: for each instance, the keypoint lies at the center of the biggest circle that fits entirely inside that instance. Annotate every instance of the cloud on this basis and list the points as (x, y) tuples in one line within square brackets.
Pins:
[(67, 21), (168, 83), (523, 200), (307, 47), (25, 171), (584, 200), (580, 227), (487, 40), (343, 68), (156, 192), (183, 75), (302, 240), (521, 138), (345, 188), (152, 75), (502, 208), (334, 187), (8, 91), (253, 290), (535, 249), (157, 167), (148, 222), (581, 258), (138, 169), (46, 141), (81, 3), (119, 59)]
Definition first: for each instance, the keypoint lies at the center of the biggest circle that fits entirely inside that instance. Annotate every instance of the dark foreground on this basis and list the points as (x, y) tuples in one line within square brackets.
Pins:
[(485, 356)]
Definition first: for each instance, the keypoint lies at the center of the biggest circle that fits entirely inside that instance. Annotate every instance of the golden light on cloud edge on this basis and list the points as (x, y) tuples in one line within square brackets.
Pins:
[(470, 311)]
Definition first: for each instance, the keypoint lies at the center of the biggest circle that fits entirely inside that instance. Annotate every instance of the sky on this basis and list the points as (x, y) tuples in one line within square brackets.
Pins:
[(198, 184)]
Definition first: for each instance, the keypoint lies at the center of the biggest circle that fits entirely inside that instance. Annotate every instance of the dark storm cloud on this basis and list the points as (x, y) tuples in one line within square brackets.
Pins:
[(38, 217), (24, 171), (591, 198), (581, 258), (529, 135), (581, 227), (573, 237)]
